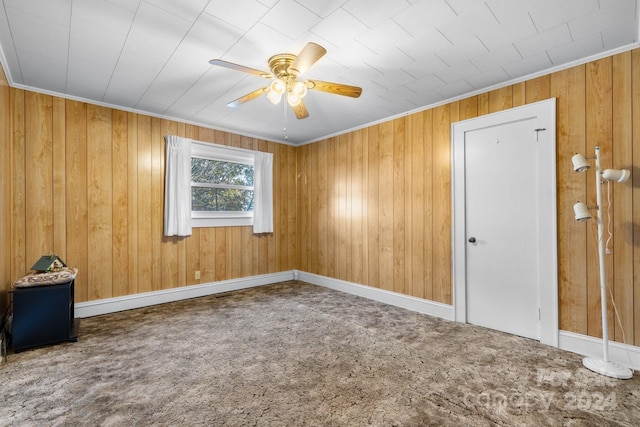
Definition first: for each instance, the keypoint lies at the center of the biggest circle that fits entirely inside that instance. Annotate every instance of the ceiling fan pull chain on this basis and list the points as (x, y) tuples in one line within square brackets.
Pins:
[(286, 122)]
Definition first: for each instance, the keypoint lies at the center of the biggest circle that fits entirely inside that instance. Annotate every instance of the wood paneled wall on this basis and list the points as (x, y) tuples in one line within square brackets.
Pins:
[(374, 205), (371, 206), (88, 184), (5, 194)]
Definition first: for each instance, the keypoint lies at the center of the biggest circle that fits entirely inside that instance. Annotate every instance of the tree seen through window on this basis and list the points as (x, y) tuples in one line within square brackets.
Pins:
[(221, 186)]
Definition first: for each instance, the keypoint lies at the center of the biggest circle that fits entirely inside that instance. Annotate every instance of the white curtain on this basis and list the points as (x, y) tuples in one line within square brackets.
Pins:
[(177, 193), (263, 193)]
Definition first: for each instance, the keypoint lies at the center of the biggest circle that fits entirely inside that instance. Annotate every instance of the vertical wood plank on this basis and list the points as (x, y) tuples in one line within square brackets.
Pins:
[(39, 176), (120, 213), (469, 108), (59, 179), (356, 258), (622, 126), (501, 99), (385, 205), (234, 251), (365, 207), (519, 97), (315, 214), (76, 190), (417, 204), (272, 237), (341, 209), (442, 204), (567, 87), (302, 225), (207, 255), (144, 190), (428, 205), (483, 104), (19, 185), (6, 239), (635, 92), (373, 206), (537, 89), (599, 133), (407, 202), (332, 207), (99, 202), (322, 192), (132, 202), (282, 156), (292, 247), (157, 197), (220, 256), (398, 203)]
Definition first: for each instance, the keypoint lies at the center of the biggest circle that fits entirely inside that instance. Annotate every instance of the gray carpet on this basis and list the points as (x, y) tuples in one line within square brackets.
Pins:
[(294, 354)]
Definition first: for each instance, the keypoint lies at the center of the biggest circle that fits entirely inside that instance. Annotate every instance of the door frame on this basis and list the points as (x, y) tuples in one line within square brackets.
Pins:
[(545, 112)]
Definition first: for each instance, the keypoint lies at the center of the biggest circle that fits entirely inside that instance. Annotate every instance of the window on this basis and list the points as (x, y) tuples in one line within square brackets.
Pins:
[(222, 186), (210, 185), (217, 185)]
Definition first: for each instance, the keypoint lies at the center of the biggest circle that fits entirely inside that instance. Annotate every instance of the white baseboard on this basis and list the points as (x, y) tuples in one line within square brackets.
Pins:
[(392, 298), (625, 355), (128, 302)]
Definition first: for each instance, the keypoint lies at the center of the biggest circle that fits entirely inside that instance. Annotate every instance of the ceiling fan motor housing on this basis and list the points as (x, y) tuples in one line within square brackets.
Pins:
[(279, 65)]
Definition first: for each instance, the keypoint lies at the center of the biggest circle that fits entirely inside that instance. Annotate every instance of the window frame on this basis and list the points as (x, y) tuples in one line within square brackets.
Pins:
[(200, 219)]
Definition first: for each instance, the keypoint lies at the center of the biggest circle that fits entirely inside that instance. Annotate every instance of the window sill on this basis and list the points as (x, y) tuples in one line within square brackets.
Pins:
[(221, 222)]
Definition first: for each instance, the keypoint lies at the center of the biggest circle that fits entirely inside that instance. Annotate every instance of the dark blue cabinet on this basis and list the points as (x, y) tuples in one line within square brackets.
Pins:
[(43, 315)]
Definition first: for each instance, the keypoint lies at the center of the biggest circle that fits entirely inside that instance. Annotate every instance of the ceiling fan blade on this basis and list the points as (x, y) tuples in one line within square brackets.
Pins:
[(300, 110), (309, 55), (335, 88), (232, 66), (248, 97)]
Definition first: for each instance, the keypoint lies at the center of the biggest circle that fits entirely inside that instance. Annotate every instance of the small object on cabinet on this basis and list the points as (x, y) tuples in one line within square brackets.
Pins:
[(48, 263)]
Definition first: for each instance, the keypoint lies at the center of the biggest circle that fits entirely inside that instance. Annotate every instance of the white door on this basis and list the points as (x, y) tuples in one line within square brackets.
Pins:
[(502, 283), (504, 221)]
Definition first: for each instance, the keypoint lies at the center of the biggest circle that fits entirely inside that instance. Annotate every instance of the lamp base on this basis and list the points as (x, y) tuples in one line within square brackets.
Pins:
[(610, 369)]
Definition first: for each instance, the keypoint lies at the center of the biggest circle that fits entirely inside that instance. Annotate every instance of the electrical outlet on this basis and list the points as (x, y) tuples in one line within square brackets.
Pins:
[(198, 275)]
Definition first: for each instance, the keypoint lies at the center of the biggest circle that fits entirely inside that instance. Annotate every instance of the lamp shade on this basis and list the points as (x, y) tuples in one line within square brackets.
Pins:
[(300, 89), (580, 163), (294, 99), (274, 97), (278, 86), (618, 175), (581, 211)]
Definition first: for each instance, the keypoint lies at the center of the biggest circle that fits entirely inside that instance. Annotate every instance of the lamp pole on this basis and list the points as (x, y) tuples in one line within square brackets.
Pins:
[(603, 275), (604, 367)]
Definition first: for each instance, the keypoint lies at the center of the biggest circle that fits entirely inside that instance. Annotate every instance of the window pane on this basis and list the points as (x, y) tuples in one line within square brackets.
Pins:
[(221, 199), (217, 172)]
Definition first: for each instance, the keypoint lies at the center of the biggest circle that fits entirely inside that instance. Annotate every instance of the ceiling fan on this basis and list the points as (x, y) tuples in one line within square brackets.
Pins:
[(285, 69)]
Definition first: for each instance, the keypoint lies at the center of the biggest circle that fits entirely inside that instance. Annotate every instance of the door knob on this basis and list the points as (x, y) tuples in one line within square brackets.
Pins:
[(472, 239)]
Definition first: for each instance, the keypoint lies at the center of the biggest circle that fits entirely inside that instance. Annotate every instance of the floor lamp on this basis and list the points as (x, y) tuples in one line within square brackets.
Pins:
[(602, 366)]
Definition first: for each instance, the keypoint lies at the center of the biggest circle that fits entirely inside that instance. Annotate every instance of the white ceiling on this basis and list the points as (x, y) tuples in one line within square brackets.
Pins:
[(152, 56)]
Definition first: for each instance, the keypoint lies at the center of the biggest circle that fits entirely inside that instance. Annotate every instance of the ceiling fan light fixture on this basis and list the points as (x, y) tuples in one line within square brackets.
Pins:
[(300, 89), (294, 99), (278, 86), (274, 97)]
